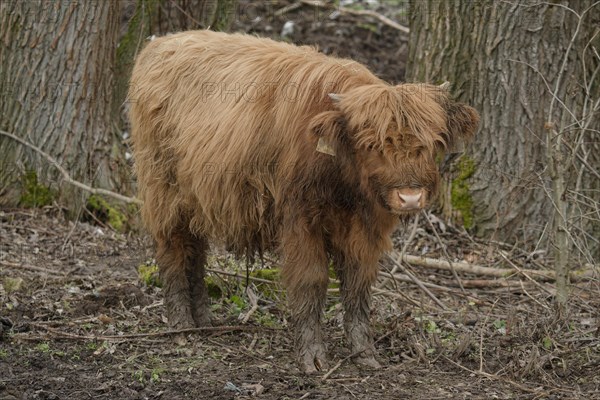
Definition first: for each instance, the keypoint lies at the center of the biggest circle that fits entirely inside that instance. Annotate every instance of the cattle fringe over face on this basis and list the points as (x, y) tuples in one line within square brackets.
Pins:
[(264, 146)]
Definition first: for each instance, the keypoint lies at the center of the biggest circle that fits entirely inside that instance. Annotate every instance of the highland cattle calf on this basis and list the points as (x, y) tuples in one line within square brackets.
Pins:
[(265, 146)]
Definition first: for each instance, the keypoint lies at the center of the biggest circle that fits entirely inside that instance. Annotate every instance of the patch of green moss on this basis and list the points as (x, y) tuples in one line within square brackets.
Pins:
[(12, 285), (107, 213), (270, 274), (148, 274), (461, 199), (214, 290), (35, 194)]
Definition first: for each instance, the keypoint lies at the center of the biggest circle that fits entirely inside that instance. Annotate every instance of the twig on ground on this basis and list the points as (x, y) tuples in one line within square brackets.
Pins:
[(397, 295), (288, 8), (420, 284), (385, 20), (532, 298), (443, 250), (520, 270), (225, 328), (253, 301), (406, 279), (31, 268), (66, 175), (492, 376), (485, 284), (397, 265), (252, 278), (434, 263), (343, 10)]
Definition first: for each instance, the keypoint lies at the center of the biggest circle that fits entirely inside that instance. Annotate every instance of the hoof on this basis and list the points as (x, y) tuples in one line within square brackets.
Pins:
[(313, 367), (313, 360)]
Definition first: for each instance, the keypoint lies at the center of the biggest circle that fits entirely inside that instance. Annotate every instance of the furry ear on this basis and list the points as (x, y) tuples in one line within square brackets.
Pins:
[(463, 121), (327, 124)]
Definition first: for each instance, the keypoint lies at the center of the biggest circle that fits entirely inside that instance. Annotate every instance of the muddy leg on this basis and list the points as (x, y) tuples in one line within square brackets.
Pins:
[(305, 277), (356, 298), (175, 255), (199, 292)]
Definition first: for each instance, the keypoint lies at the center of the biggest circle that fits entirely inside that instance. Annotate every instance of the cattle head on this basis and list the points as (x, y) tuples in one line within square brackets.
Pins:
[(390, 138)]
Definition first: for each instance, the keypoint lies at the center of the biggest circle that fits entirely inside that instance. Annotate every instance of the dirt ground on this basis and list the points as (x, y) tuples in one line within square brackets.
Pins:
[(382, 48), (78, 322)]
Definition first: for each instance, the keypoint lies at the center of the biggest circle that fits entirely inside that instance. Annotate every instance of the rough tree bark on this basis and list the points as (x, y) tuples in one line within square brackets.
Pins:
[(64, 75), (56, 82), (495, 55)]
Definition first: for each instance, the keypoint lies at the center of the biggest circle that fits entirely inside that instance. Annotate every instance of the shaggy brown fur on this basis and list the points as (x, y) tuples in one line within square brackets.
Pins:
[(225, 130)]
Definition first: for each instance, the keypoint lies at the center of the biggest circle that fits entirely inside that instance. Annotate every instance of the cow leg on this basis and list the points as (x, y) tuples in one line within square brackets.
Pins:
[(182, 272), (199, 292), (355, 291), (305, 277)]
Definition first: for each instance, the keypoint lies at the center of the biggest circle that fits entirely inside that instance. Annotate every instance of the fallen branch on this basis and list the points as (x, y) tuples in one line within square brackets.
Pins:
[(66, 175), (380, 17), (31, 268), (486, 283), (343, 10), (462, 266), (252, 278), (420, 284), (225, 328), (520, 270)]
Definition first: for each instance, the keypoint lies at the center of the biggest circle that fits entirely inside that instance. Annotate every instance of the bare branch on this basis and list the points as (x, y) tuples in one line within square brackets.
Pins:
[(66, 175)]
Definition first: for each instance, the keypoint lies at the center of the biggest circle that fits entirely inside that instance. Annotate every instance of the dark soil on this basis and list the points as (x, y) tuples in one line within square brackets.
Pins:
[(76, 322), (380, 47)]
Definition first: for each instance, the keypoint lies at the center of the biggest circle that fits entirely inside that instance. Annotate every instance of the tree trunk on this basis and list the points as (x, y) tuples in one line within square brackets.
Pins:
[(56, 87), (499, 57), (63, 79)]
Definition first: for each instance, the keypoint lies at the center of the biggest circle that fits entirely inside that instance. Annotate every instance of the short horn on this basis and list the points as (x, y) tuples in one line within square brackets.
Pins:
[(335, 97), (445, 85)]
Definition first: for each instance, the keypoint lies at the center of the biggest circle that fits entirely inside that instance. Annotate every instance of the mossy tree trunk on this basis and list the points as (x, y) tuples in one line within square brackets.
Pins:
[(64, 75), (500, 57), (56, 82)]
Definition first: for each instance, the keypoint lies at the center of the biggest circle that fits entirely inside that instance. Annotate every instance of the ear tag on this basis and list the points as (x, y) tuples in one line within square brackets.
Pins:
[(324, 147)]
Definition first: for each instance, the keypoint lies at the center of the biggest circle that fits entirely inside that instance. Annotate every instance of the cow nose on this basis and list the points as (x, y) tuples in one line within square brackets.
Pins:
[(410, 199)]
